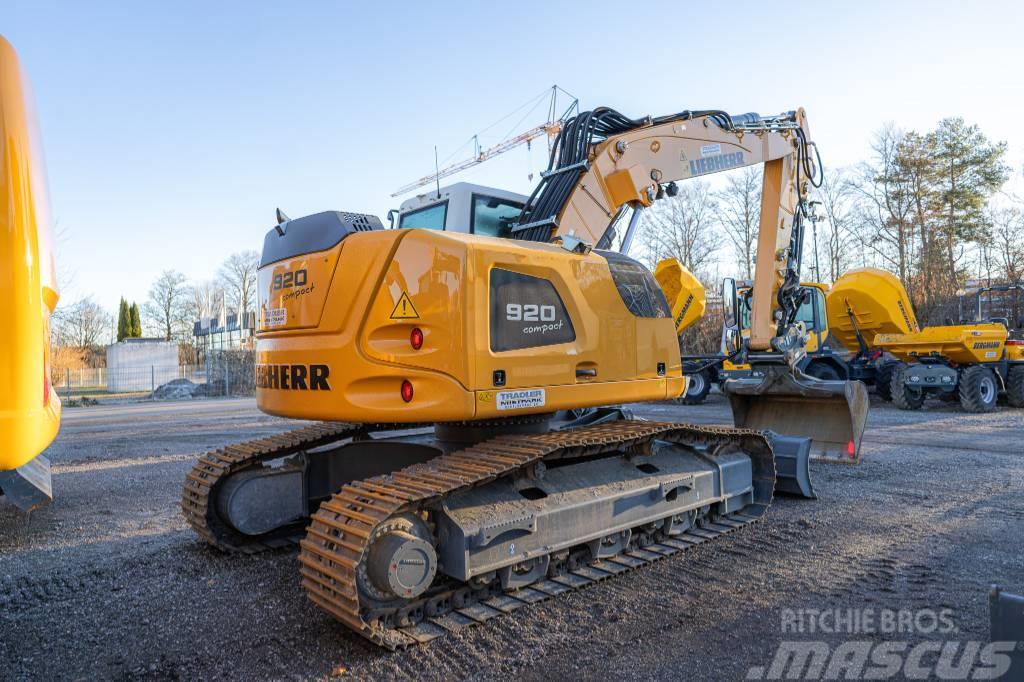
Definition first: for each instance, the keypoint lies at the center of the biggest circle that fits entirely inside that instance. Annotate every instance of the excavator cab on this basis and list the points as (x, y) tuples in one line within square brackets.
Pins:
[(29, 408)]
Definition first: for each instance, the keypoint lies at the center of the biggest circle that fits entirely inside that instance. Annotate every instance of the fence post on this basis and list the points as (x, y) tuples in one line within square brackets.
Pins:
[(67, 381), (227, 380), (152, 378)]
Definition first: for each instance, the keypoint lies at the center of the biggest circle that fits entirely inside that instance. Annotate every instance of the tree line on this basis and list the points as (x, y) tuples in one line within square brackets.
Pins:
[(172, 305), (931, 207)]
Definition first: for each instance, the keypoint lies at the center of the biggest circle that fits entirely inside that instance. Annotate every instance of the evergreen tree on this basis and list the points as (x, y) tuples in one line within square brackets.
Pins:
[(136, 322), (124, 322)]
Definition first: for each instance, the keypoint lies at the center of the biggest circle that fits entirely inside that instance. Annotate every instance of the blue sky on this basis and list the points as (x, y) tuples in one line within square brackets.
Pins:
[(173, 130)]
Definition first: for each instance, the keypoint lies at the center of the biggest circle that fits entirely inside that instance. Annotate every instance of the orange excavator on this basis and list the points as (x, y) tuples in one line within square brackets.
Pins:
[(465, 462)]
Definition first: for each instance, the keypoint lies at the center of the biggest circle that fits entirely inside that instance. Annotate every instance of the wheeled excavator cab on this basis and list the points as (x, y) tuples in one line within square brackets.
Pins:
[(778, 396), (29, 409)]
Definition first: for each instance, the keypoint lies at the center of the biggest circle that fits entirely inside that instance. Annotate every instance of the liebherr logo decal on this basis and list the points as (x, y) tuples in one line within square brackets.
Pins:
[(293, 377), (686, 306), (906, 318), (718, 162)]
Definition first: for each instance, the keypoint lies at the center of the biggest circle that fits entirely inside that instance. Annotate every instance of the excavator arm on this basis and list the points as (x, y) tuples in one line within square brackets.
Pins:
[(581, 196), (604, 163)]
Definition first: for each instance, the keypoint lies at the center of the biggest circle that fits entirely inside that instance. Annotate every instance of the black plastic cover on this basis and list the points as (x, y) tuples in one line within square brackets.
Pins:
[(526, 312), (313, 233), (636, 286)]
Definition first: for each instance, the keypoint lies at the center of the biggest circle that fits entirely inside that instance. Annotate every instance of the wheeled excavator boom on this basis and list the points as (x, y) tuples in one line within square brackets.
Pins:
[(455, 474)]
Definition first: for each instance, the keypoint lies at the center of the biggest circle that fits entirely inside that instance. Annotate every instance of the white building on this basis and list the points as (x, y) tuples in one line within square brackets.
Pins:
[(141, 364)]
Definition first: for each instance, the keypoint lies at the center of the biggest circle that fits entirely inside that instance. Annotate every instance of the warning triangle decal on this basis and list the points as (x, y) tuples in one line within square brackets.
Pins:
[(404, 309)]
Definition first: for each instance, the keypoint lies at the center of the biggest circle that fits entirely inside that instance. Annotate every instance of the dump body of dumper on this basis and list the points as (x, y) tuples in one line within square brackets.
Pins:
[(871, 301), (962, 344), (29, 409), (683, 291)]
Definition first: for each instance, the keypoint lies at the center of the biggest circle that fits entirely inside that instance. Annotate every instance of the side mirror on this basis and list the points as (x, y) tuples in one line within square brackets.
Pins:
[(730, 303), (391, 217), (731, 337)]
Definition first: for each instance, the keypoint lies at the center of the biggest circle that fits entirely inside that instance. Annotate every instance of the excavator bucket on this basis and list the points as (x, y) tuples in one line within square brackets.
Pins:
[(787, 401)]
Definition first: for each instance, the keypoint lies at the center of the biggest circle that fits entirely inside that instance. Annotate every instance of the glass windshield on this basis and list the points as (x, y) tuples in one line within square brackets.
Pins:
[(430, 218), (493, 217), (805, 314)]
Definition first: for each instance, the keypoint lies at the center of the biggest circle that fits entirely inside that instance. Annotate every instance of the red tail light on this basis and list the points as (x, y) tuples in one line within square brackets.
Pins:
[(1015, 342), (416, 338), (406, 390), (851, 449)]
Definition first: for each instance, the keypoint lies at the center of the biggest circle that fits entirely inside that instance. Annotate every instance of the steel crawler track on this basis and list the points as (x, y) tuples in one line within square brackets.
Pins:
[(340, 532), (216, 465)]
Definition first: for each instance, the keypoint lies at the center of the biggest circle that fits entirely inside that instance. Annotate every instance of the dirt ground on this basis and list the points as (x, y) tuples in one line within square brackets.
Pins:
[(108, 582)]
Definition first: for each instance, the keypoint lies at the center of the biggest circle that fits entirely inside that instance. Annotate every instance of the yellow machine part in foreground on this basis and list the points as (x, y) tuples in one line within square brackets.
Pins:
[(340, 345), (29, 409)]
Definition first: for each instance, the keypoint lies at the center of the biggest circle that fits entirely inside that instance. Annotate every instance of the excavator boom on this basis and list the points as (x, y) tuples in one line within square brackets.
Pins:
[(633, 163)]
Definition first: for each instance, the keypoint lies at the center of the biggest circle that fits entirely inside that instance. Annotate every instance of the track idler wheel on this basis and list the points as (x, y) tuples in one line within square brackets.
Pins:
[(401, 561)]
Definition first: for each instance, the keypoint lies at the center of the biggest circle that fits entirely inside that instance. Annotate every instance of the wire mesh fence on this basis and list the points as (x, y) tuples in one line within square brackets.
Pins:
[(222, 373)]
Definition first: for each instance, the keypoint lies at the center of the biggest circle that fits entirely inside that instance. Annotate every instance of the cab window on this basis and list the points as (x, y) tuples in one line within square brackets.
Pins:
[(493, 217), (805, 314), (429, 218), (807, 310)]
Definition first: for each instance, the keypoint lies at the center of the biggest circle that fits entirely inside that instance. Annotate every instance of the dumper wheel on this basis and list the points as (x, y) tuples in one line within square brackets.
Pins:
[(823, 371), (1015, 386), (979, 389), (883, 381), (903, 396), (697, 389)]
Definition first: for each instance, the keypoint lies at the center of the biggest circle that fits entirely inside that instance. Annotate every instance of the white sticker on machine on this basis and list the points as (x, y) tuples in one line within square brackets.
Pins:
[(275, 317), (710, 149), (519, 400)]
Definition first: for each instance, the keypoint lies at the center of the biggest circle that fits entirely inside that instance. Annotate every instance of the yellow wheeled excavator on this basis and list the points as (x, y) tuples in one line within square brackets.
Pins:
[(29, 408), (454, 475)]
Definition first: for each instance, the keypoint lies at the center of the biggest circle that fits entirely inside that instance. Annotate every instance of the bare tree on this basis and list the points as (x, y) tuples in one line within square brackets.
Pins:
[(238, 277), (207, 299), (838, 199), (168, 305), (83, 324), (885, 216), (739, 206), (1007, 241), (683, 227)]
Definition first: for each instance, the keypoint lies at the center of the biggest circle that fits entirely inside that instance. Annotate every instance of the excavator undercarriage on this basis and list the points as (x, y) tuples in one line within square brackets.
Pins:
[(413, 535)]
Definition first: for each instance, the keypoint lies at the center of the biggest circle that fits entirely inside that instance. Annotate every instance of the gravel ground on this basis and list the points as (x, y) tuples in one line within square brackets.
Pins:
[(109, 582)]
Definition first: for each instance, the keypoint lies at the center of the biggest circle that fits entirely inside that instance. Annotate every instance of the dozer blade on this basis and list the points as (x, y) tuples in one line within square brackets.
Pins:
[(792, 465), (29, 486), (831, 413)]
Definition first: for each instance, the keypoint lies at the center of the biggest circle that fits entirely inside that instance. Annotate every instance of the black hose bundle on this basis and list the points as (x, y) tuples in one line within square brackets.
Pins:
[(569, 156)]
